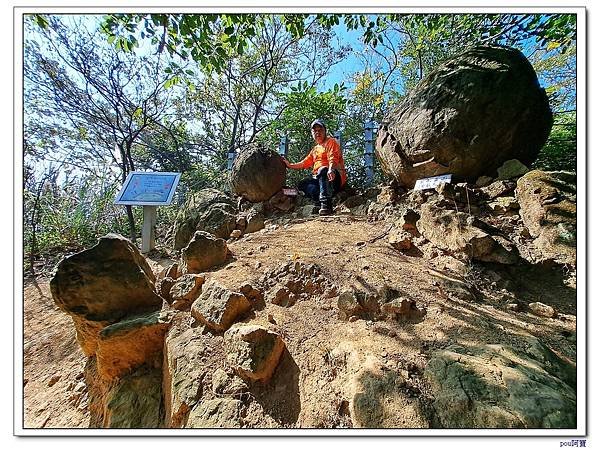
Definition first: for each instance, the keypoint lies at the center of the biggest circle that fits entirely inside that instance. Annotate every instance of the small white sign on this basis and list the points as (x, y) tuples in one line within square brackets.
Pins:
[(291, 192), (148, 188), (432, 182)]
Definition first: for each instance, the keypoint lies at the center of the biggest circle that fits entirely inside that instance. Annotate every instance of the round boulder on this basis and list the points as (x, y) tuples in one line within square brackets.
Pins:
[(467, 117), (257, 173)]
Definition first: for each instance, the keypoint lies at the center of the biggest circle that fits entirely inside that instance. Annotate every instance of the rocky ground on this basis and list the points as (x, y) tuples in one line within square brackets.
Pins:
[(341, 369)]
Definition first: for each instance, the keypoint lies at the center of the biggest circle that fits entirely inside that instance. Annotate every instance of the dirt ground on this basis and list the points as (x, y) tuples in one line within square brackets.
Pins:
[(326, 359)]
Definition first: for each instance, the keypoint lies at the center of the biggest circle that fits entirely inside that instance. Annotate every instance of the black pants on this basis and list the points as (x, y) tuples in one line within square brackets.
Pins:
[(319, 188)]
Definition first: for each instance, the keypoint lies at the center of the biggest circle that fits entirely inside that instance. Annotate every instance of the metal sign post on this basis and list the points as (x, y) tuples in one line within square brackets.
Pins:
[(148, 237), (369, 146), (148, 189), (283, 146), (230, 160)]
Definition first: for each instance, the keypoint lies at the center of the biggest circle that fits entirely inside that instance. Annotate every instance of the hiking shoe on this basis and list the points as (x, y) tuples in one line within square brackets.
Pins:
[(324, 211)]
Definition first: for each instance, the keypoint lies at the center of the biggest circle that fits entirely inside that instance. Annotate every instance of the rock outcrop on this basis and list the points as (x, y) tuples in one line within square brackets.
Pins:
[(455, 231), (207, 210), (257, 173), (496, 386), (383, 303), (183, 372), (131, 343), (294, 281), (135, 402), (548, 208), (467, 117), (102, 285)]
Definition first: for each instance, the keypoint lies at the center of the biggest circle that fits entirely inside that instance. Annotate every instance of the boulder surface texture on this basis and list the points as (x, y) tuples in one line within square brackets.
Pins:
[(257, 173), (548, 206), (102, 285), (207, 210), (467, 117)]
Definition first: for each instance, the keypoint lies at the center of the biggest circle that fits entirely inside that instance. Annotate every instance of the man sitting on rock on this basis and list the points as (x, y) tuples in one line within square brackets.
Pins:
[(327, 162)]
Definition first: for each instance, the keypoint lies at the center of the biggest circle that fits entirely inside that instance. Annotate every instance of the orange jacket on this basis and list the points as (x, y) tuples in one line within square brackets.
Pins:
[(322, 155)]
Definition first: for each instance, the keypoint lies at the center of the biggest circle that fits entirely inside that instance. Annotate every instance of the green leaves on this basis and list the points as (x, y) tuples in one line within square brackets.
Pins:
[(170, 82), (41, 21)]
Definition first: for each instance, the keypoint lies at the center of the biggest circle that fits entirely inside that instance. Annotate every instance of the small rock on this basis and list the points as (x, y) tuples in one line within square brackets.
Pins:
[(516, 307), (253, 294), (236, 234), (203, 252), (279, 295), (541, 309), (483, 181), (348, 304), (513, 168), (185, 290), (218, 307), (403, 307), (257, 265), (503, 205), (164, 286), (53, 380), (253, 351), (400, 239)]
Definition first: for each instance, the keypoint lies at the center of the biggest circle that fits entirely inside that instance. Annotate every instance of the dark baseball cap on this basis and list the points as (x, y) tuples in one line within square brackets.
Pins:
[(318, 122)]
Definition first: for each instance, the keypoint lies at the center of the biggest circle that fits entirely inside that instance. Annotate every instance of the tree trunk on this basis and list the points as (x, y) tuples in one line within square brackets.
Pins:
[(126, 162), (131, 221)]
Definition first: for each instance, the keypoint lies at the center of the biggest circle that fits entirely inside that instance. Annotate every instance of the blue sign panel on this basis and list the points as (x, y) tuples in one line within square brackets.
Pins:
[(148, 188)]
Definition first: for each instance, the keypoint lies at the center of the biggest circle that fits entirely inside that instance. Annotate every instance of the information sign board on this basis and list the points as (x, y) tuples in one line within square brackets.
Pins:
[(148, 188), (432, 182)]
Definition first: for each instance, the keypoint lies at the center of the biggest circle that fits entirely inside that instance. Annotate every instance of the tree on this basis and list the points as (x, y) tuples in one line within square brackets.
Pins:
[(235, 106), (301, 106), (95, 102)]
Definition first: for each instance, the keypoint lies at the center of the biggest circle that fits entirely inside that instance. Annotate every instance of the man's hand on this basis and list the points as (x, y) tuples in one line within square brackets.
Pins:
[(286, 162), (331, 175)]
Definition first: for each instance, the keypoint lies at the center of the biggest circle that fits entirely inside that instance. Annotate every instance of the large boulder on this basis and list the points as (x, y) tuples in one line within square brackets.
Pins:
[(548, 207), (257, 173), (467, 117), (207, 210), (102, 285)]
